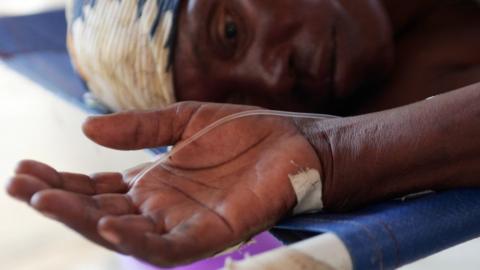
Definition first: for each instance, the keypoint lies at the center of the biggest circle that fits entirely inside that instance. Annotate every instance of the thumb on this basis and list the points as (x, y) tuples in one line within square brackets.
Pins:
[(140, 129)]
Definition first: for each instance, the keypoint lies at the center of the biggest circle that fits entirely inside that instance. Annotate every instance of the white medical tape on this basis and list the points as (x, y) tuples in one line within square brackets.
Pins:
[(307, 185)]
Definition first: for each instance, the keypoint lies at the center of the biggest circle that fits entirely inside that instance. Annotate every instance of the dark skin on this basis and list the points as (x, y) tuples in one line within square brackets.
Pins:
[(405, 51), (189, 208), (435, 53), (300, 62)]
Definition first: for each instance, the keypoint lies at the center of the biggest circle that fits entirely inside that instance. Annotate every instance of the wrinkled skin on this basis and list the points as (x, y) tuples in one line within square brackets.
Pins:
[(297, 55), (333, 56), (199, 202), (153, 219)]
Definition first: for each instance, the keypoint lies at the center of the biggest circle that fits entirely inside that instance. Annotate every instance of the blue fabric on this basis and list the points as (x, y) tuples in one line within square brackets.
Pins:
[(53, 71), (33, 33), (391, 234), (36, 47), (383, 236)]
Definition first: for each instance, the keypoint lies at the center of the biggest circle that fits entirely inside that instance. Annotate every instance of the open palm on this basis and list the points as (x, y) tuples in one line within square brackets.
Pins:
[(214, 193)]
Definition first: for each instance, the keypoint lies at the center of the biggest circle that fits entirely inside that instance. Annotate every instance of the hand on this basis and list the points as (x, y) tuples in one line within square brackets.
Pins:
[(220, 190)]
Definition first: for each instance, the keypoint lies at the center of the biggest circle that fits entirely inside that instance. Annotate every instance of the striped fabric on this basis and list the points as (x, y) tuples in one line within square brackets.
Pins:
[(122, 49)]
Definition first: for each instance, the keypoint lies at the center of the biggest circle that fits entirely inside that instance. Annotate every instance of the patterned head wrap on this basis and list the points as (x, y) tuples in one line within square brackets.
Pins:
[(123, 50)]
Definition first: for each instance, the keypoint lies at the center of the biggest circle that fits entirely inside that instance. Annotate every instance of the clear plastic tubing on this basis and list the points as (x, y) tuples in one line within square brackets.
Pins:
[(223, 121)]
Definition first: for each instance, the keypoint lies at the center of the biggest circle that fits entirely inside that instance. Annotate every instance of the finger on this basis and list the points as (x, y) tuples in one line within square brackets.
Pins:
[(130, 174), (109, 182), (97, 184), (23, 186), (127, 229), (81, 212), (41, 171), (140, 129), (201, 236)]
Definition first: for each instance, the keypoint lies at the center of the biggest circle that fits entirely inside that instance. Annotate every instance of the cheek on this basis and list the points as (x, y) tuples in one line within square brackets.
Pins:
[(188, 78), (369, 25), (364, 44), (197, 84)]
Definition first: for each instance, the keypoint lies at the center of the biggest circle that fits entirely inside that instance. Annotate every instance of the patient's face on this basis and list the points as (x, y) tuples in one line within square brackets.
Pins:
[(281, 54)]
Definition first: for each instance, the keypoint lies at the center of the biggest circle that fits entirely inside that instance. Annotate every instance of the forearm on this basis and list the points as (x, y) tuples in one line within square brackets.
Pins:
[(433, 144)]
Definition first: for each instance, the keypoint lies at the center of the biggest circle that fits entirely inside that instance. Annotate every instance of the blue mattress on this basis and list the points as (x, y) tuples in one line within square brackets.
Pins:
[(35, 46), (382, 236)]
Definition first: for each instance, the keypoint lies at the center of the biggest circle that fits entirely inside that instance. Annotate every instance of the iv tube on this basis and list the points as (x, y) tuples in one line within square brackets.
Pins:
[(222, 121)]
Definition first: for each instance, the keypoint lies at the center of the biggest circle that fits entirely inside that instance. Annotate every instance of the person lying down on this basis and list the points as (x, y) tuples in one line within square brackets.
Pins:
[(183, 64)]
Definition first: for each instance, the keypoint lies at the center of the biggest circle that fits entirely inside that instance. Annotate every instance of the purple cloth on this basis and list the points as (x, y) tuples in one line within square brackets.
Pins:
[(263, 242)]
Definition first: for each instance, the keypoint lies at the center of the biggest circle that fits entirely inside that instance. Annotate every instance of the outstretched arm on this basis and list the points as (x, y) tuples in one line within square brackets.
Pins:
[(236, 180), (219, 191), (430, 145)]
